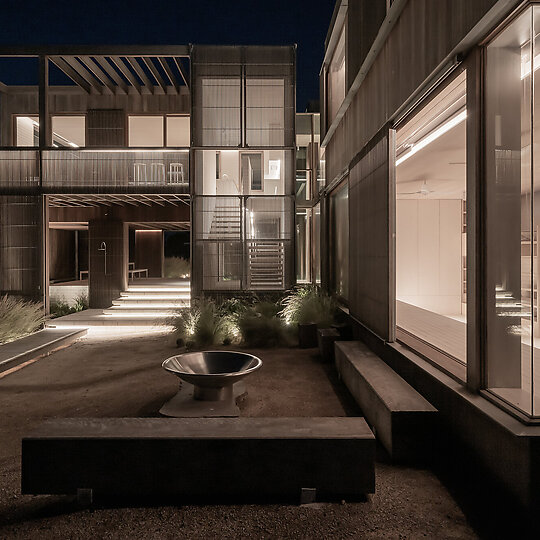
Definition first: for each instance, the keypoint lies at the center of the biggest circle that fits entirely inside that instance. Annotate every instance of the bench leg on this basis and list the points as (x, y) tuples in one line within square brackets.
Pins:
[(84, 497), (308, 495)]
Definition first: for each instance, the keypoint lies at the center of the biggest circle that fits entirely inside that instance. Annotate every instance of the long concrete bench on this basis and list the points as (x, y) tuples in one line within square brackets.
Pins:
[(201, 458), (403, 420)]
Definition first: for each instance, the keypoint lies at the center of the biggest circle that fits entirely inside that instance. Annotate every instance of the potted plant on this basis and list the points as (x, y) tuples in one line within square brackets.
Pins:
[(309, 308)]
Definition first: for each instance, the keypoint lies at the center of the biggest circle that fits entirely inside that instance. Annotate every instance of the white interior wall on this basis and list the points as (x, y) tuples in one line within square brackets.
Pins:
[(428, 254), (25, 131)]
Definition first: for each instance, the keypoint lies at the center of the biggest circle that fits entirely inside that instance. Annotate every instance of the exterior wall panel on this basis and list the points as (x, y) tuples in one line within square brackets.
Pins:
[(424, 35), (369, 254)]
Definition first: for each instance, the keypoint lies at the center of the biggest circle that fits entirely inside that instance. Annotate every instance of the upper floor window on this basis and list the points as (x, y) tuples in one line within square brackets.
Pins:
[(157, 131), (336, 77), (68, 131), (27, 130)]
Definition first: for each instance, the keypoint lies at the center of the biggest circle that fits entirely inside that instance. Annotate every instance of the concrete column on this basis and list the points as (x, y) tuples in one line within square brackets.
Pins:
[(107, 261)]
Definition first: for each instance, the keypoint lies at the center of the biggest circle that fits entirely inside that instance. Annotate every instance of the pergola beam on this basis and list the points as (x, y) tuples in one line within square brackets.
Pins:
[(126, 72), (155, 73), (99, 73), (85, 74), (61, 64), (167, 69), (182, 71), (140, 72), (102, 61)]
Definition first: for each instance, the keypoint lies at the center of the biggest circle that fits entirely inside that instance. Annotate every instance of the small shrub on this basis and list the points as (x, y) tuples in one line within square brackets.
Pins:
[(19, 318), (260, 325), (309, 304), (176, 267), (203, 324), (61, 307)]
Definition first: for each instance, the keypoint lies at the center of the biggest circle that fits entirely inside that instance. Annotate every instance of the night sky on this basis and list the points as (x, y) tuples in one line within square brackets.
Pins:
[(235, 22)]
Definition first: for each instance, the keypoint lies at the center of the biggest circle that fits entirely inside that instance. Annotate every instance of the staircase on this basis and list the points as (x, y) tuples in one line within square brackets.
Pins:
[(226, 224), (143, 304), (266, 264)]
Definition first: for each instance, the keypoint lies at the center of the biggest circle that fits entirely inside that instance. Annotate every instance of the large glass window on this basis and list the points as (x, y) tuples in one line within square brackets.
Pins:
[(339, 240), (68, 131), (431, 227), (265, 112), (146, 131), (232, 172), (513, 212), (221, 111), (336, 77)]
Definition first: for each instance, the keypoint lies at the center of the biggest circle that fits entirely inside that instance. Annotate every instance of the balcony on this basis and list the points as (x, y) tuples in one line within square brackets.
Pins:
[(19, 169), (69, 170)]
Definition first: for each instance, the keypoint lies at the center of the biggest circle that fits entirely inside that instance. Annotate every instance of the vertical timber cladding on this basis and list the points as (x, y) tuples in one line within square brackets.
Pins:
[(108, 244), (20, 245), (370, 230)]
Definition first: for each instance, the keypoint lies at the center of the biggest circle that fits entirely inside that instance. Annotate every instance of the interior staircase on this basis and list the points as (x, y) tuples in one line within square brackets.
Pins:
[(266, 261), (226, 223)]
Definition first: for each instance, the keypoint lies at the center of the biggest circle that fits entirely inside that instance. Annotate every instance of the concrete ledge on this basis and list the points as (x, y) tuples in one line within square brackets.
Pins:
[(404, 420), (30, 347), (201, 458)]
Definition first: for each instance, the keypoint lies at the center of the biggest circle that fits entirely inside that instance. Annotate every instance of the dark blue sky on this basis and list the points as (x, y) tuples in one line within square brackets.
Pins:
[(265, 22)]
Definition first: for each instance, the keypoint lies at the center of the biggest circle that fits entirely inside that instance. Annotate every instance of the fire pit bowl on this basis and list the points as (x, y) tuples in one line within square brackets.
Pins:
[(212, 373)]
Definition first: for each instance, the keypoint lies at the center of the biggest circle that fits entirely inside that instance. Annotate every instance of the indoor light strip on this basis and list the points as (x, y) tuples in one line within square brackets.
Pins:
[(433, 136), (526, 67)]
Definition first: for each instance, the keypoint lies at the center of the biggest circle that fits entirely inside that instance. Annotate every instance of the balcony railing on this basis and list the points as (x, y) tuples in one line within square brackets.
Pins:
[(19, 168), (122, 170), (80, 170)]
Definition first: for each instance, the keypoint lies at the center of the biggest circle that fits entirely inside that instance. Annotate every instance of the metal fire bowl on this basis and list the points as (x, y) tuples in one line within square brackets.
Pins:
[(212, 373)]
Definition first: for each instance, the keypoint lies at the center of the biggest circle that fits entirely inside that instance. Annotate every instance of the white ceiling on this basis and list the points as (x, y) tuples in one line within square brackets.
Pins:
[(441, 165)]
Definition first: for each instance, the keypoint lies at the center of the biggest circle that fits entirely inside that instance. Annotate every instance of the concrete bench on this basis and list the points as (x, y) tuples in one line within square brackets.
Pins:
[(201, 458), (403, 420)]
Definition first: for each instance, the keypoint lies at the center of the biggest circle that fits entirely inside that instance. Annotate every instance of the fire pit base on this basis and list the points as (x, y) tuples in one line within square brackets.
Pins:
[(183, 404)]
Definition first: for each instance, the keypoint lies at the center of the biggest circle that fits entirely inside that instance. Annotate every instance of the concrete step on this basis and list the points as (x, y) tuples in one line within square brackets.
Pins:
[(129, 302), (156, 311)]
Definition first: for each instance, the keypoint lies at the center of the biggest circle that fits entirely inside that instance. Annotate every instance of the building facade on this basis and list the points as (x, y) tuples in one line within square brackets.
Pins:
[(429, 211), (106, 149)]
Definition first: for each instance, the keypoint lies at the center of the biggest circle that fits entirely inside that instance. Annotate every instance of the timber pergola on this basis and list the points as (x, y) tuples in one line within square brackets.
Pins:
[(148, 69)]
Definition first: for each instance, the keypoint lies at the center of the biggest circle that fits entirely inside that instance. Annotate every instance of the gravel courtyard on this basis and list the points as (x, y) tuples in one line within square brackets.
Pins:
[(104, 375)]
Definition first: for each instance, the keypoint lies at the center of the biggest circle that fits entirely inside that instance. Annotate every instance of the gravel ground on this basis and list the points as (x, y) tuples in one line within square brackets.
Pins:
[(104, 375)]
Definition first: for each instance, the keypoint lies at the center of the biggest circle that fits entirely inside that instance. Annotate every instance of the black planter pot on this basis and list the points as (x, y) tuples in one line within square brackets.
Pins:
[(307, 335)]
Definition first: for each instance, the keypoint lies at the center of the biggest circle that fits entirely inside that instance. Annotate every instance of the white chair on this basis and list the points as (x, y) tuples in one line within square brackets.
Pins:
[(157, 173), (139, 173), (176, 173)]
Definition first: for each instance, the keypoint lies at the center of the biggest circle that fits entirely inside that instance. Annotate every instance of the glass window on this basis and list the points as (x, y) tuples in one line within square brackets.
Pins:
[(513, 219), (303, 247), (431, 227), (339, 240), (231, 172), (27, 130), (221, 111), (178, 133), (336, 78), (146, 131), (316, 241), (68, 131), (265, 112)]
